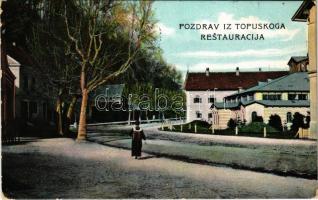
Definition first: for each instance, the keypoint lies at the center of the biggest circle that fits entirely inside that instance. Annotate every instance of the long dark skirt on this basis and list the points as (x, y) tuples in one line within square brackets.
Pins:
[(136, 146)]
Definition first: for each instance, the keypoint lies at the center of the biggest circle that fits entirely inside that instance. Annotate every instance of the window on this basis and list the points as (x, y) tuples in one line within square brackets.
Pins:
[(244, 98), (33, 107), (210, 115), (272, 96), (291, 96), (295, 96), (302, 97), (198, 114), (303, 67), (24, 110), (254, 116), (250, 97), (265, 96), (276, 97), (211, 99), (44, 110), (289, 117), (197, 99), (25, 83)]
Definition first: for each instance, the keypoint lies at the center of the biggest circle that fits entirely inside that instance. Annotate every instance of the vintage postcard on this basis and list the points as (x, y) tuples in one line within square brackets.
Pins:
[(108, 99)]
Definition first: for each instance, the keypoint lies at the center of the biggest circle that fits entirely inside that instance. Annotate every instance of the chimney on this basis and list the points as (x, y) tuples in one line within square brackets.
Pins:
[(259, 69), (237, 71), (207, 71)]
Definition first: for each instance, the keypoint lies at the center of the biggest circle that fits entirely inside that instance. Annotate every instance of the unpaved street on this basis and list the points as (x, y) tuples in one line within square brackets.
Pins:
[(63, 168), (280, 156)]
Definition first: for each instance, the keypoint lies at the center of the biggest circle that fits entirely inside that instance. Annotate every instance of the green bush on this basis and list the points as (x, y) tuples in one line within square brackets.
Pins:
[(276, 122), (257, 127), (258, 119), (298, 122), (231, 124), (254, 129), (200, 123)]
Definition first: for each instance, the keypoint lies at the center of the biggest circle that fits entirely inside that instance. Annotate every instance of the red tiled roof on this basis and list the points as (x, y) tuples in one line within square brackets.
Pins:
[(228, 80)]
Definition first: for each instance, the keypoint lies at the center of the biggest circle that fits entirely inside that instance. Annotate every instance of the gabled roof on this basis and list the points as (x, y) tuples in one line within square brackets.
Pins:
[(6, 73), (302, 12), (12, 62), (297, 59), (296, 82), (228, 80)]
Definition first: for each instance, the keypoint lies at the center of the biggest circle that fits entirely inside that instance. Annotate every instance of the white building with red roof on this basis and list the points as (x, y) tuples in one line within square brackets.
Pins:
[(207, 88)]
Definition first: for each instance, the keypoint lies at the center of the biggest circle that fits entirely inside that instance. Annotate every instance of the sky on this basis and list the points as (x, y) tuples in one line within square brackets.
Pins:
[(185, 50)]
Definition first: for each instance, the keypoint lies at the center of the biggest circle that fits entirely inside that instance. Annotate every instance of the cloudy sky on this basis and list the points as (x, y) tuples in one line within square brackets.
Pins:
[(185, 49)]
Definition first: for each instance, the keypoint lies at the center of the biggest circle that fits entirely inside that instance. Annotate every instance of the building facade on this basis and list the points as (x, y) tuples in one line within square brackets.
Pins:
[(206, 89), (32, 100), (282, 96), (307, 12), (7, 99), (7, 92), (298, 64)]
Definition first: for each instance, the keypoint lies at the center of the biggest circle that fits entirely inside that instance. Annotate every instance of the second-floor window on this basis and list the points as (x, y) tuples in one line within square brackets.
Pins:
[(211, 99), (291, 96), (198, 114), (272, 96), (251, 97), (300, 96), (197, 99)]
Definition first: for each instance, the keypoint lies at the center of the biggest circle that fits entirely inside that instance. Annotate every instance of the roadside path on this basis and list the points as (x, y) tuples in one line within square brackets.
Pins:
[(229, 140), (283, 157), (250, 142)]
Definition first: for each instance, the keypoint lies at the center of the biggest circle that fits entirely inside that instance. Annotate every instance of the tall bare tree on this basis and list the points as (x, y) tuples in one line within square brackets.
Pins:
[(53, 60), (105, 37)]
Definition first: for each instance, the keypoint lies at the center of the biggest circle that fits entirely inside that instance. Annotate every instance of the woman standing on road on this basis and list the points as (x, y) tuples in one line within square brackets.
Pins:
[(136, 144)]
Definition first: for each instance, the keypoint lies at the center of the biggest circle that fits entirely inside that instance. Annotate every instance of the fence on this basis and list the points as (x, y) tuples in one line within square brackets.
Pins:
[(141, 121)]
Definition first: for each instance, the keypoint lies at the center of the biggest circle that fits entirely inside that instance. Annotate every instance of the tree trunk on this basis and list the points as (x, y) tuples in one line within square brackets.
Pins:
[(82, 121), (69, 115), (59, 111), (71, 108)]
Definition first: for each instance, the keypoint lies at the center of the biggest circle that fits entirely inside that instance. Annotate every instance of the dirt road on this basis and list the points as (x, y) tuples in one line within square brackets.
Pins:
[(63, 168)]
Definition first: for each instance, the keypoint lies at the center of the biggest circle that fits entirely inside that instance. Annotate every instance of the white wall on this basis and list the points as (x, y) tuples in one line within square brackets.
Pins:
[(15, 69), (16, 72), (259, 109), (282, 112), (203, 107)]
